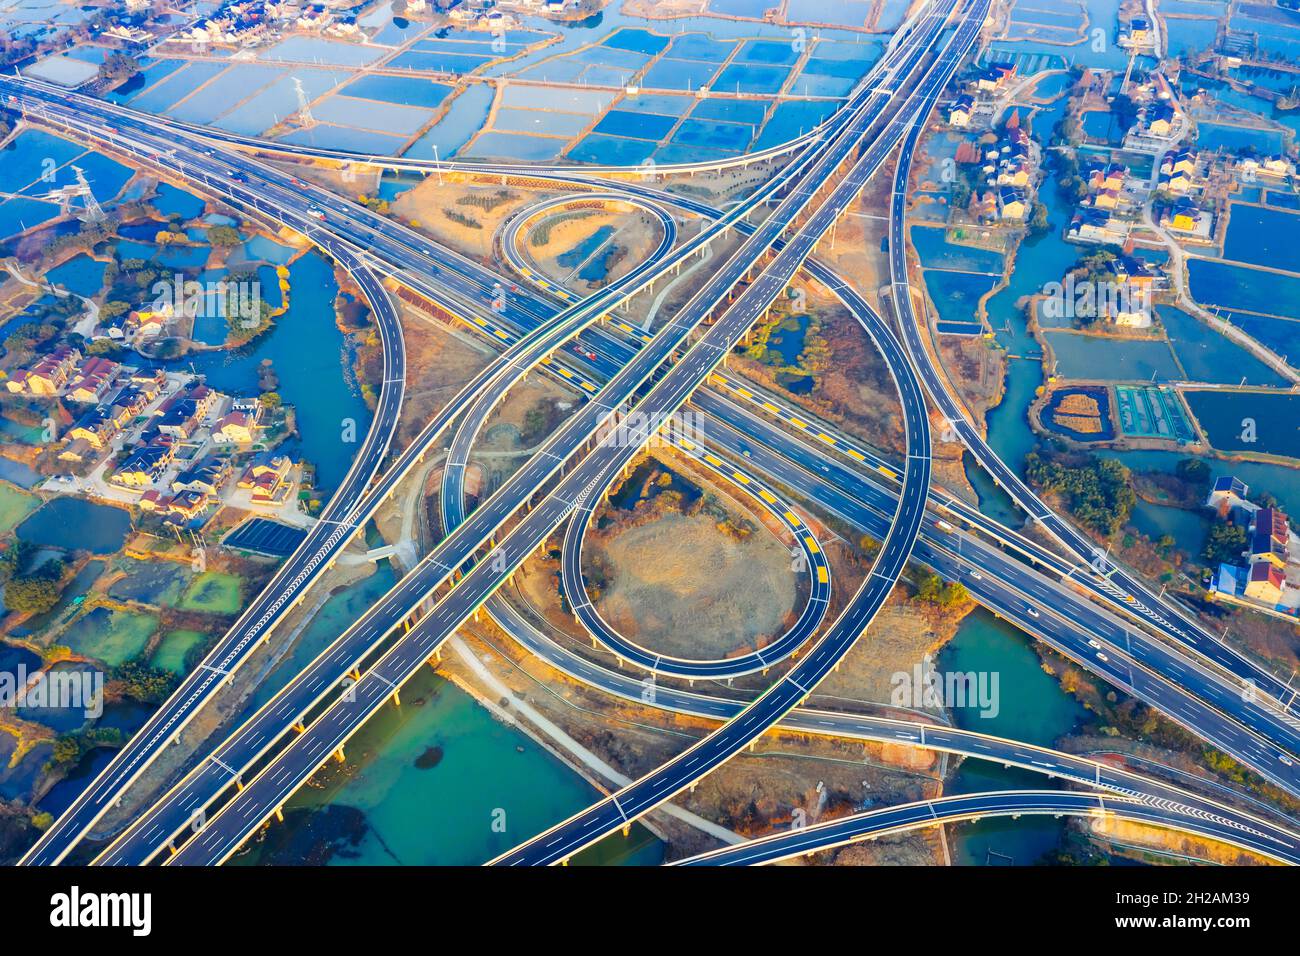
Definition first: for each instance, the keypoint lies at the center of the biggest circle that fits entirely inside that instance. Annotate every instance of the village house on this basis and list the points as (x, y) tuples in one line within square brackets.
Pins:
[(96, 428), (237, 428), (92, 379), (995, 77), (143, 466), (1013, 204), (1097, 225), (207, 476), (183, 413), (268, 479), (49, 376), (960, 111)]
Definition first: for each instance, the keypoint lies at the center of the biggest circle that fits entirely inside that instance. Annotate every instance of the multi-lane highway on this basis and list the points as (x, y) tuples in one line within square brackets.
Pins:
[(267, 193), (363, 244), (451, 554), (338, 521), (976, 806), (284, 773), (581, 830)]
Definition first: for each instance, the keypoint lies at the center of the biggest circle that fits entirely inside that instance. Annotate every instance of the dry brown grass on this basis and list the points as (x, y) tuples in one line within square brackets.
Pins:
[(682, 587)]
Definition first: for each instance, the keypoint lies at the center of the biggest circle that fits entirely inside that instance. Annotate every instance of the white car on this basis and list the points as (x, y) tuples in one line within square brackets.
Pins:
[(1094, 644), (1286, 760), (1102, 657), (1032, 611), (977, 576)]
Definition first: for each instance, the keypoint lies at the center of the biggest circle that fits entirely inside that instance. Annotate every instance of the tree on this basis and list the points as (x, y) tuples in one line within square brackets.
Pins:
[(32, 595), (1225, 542), (223, 236), (1038, 220), (105, 347), (112, 309), (1194, 471), (149, 685), (118, 66), (270, 400), (1099, 492), (934, 590)]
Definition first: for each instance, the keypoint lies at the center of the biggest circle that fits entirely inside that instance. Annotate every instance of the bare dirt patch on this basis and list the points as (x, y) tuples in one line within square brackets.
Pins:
[(686, 570), (565, 247), (461, 212), (685, 588)]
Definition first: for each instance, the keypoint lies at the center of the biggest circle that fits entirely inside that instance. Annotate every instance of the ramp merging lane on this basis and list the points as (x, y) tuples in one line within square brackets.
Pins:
[(521, 306), (1259, 699), (351, 506), (975, 806)]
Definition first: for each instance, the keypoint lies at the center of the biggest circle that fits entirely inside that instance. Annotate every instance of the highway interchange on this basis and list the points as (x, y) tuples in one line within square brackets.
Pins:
[(376, 681)]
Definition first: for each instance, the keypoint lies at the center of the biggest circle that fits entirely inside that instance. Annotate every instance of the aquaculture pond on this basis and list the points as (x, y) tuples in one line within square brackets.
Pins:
[(76, 524), (1256, 422)]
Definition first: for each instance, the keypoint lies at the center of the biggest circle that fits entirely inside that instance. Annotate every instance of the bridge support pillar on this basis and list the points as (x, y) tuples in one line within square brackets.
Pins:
[(279, 814), (338, 755), (627, 829), (397, 697), (171, 847), (239, 784), (299, 727)]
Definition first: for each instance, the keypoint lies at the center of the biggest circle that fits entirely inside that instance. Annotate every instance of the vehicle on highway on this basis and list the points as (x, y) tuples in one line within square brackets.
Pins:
[(977, 576), (1031, 611), (1102, 657), (1096, 645)]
